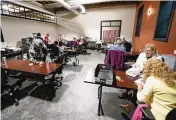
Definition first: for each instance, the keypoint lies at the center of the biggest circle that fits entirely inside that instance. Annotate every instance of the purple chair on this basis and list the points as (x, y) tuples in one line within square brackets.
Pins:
[(115, 58)]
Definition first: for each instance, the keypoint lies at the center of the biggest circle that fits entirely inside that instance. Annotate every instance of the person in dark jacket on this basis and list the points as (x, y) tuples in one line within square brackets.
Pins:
[(127, 44)]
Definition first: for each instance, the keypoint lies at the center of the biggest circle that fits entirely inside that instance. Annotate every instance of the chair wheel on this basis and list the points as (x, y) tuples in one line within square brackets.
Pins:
[(17, 103)]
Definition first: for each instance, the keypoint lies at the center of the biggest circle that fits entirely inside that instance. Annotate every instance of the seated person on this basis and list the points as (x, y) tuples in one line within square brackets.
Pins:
[(159, 90), (117, 46), (75, 43), (61, 47), (81, 40), (126, 44), (46, 39), (85, 42), (150, 51), (55, 51), (38, 50)]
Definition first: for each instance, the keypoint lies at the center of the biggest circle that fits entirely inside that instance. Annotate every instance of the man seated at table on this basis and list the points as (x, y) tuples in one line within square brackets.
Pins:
[(55, 50), (150, 51)]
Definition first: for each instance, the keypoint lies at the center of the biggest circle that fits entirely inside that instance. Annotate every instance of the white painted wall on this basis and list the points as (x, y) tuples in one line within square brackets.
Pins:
[(14, 29), (89, 24)]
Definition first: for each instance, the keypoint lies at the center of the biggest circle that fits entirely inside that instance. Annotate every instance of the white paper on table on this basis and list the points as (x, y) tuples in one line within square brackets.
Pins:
[(133, 72)]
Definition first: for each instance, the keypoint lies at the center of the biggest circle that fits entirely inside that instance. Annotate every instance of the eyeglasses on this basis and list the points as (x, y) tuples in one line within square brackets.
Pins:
[(148, 50)]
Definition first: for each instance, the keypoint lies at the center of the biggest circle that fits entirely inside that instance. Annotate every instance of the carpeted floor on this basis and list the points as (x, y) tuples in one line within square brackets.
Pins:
[(74, 100)]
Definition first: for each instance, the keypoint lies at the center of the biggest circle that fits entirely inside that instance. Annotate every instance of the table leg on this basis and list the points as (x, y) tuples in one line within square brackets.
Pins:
[(100, 108), (44, 88), (99, 92)]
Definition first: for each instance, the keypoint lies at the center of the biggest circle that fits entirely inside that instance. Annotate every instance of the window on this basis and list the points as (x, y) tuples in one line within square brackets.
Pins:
[(139, 21), (13, 10), (163, 24), (110, 30)]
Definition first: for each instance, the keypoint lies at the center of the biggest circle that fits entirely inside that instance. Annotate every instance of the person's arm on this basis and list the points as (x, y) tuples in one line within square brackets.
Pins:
[(138, 61), (144, 93)]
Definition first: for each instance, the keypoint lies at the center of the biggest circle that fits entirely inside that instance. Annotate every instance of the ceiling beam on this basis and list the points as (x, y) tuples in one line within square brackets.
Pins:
[(103, 4), (51, 5)]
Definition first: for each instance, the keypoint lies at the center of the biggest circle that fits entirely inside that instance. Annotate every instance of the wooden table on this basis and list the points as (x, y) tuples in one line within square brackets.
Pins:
[(35, 71), (11, 54), (128, 82), (23, 66)]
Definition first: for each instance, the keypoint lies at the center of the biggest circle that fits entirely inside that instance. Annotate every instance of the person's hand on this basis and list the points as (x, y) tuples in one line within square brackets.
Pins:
[(41, 62), (140, 86)]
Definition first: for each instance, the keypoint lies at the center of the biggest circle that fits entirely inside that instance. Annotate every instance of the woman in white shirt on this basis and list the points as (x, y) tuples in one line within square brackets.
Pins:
[(150, 51)]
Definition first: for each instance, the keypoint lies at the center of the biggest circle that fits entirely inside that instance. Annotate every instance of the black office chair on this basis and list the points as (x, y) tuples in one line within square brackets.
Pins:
[(54, 54), (60, 60), (57, 58), (146, 113), (171, 115), (10, 86)]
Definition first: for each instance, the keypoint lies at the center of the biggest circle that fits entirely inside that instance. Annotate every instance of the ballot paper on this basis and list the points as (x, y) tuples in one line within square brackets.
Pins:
[(133, 72)]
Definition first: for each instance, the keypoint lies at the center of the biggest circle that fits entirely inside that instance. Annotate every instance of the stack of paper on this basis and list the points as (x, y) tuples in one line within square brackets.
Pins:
[(133, 72)]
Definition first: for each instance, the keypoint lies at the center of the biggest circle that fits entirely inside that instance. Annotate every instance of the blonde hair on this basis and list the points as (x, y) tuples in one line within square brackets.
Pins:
[(152, 47), (159, 69)]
